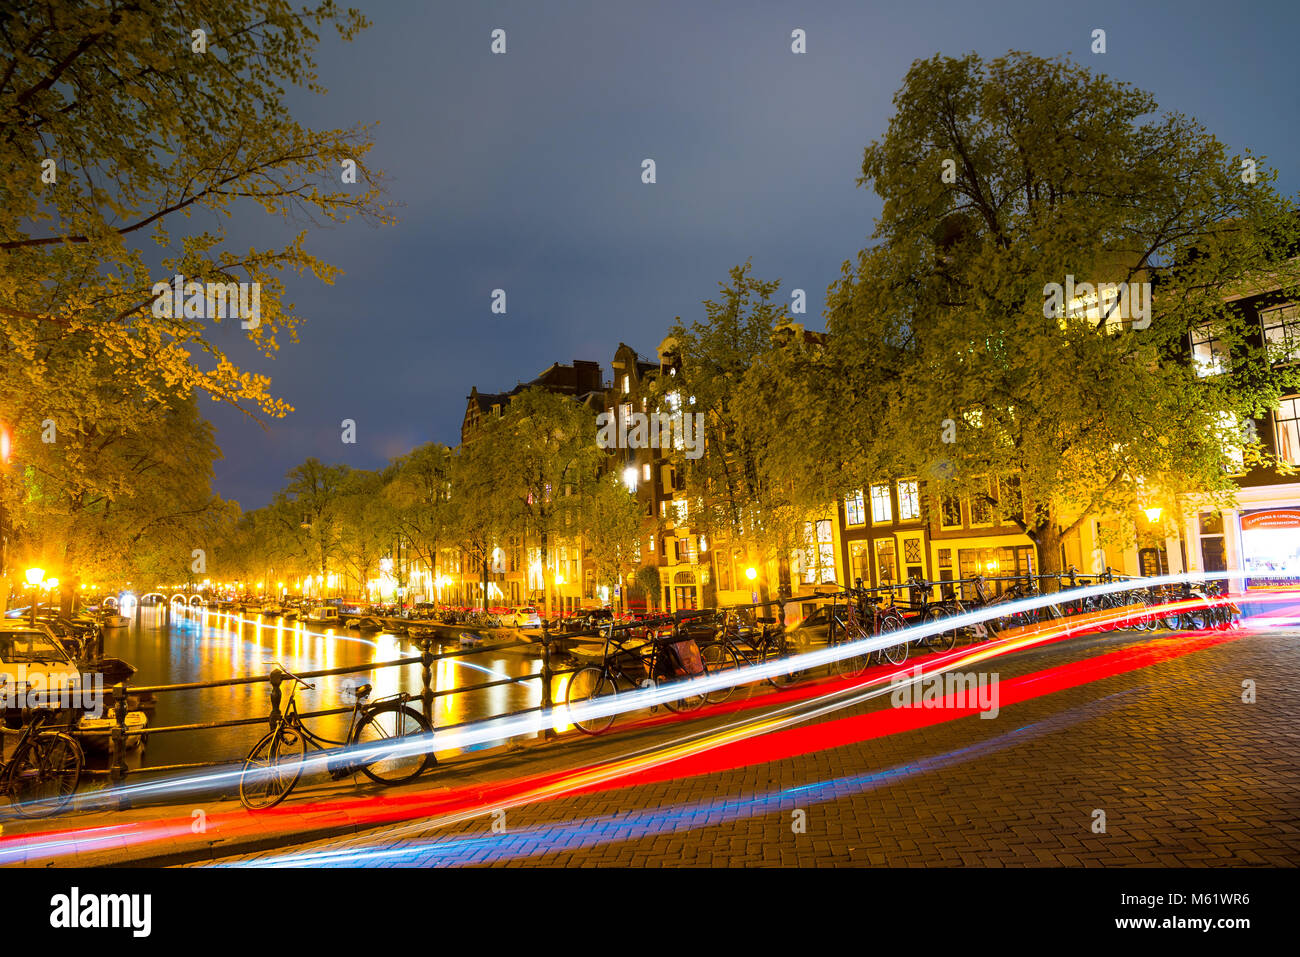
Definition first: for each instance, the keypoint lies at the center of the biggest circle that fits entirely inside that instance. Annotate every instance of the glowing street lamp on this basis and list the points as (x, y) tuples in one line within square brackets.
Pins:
[(751, 572), (35, 576), (1153, 513)]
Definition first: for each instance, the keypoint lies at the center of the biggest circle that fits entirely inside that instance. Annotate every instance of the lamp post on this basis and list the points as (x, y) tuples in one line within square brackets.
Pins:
[(34, 578)]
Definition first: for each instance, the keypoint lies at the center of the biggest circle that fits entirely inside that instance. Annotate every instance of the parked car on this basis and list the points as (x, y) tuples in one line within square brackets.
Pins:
[(524, 617)]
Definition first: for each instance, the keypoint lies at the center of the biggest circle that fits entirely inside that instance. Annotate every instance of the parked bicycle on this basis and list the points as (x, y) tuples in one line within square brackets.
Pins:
[(661, 659), (855, 621), (273, 767), (735, 646), (43, 773)]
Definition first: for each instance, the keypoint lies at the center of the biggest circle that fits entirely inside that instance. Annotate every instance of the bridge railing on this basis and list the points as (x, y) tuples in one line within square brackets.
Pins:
[(118, 734)]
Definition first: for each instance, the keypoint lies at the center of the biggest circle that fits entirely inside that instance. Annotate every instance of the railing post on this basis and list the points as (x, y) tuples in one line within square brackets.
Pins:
[(117, 740), (426, 677), (548, 732), (276, 677)]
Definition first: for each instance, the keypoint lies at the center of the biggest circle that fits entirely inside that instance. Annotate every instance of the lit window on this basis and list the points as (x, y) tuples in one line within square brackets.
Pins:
[(818, 559), (981, 510), (1282, 332), (881, 510), (909, 500), (629, 478), (1231, 437), (1209, 355), (1286, 423), (627, 384), (950, 512), (854, 513), (645, 471)]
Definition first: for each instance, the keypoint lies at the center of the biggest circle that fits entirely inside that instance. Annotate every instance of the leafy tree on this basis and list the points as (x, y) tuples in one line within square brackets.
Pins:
[(309, 509), (548, 462), (418, 487), (609, 519), (734, 495), (367, 524), (999, 179)]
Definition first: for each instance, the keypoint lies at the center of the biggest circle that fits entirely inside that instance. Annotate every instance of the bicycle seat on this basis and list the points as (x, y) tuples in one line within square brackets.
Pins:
[(766, 621), (363, 692)]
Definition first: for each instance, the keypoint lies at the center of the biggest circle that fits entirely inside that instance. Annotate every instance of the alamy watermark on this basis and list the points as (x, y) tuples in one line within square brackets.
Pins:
[(1127, 301), (976, 690), (211, 300), (652, 430), (22, 690)]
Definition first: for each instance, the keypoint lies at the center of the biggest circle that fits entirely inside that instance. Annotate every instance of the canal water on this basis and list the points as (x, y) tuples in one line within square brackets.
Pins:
[(205, 645)]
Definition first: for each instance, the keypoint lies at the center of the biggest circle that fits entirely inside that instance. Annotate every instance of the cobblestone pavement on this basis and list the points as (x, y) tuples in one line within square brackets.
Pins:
[(1184, 772)]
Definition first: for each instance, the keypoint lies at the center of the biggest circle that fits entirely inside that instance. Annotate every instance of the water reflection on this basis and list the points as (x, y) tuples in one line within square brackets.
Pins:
[(204, 645)]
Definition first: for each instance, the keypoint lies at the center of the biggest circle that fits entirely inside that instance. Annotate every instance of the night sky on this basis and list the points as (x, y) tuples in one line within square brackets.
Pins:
[(523, 172)]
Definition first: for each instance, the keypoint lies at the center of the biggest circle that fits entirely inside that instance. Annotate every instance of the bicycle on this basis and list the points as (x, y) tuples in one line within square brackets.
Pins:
[(928, 611), (42, 776), (632, 666), (273, 767), (733, 648), (853, 626)]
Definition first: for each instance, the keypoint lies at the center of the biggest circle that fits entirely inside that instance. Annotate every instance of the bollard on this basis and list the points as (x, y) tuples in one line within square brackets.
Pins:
[(277, 676), (548, 732), (117, 741)]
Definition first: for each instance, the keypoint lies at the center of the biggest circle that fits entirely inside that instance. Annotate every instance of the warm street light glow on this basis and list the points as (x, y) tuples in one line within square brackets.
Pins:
[(35, 576), (1153, 514), (751, 573), (52, 584)]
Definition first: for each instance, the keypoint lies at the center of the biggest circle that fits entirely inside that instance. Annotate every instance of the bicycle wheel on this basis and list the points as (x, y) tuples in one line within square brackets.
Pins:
[(895, 654), (44, 775), (272, 768), (394, 722), (944, 640), (719, 657), (852, 665), (592, 683)]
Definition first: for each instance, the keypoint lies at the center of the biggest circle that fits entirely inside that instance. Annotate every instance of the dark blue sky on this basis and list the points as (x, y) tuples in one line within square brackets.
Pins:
[(522, 172)]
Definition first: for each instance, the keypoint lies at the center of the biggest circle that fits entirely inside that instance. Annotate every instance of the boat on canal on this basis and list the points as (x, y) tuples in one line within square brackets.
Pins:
[(321, 615)]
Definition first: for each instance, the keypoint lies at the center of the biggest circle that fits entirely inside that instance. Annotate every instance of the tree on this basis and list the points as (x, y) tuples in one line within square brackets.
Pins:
[(550, 461), (998, 180), (609, 519), (117, 120), (367, 524), (478, 511), (309, 510), (734, 494), (418, 487)]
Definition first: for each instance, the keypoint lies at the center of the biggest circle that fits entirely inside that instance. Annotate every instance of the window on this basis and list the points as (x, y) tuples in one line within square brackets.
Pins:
[(819, 555), (950, 512), (860, 559), (1232, 434), (1209, 355), (885, 560), (627, 384), (1286, 423), (1282, 332), (981, 512), (645, 471), (881, 510), (854, 514), (909, 500)]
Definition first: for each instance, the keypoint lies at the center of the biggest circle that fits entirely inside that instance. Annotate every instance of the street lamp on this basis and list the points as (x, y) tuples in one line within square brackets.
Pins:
[(34, 578), (751, 572)]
